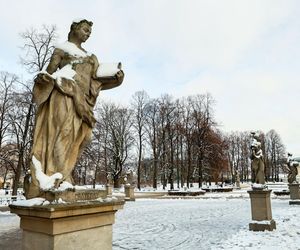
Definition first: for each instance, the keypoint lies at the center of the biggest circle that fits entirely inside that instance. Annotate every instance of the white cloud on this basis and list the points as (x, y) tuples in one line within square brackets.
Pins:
[(244, 52)]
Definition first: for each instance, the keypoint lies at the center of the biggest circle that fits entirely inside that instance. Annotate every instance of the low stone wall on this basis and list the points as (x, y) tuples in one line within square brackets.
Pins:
[(218, 189), (186, 193)]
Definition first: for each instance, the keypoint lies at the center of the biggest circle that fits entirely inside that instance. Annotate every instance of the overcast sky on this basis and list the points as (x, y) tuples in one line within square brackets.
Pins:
[(246, 54)]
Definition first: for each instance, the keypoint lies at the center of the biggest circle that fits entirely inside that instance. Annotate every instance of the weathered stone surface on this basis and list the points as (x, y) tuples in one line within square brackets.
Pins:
[(80, 225), (270, 226), (261, 210), (72, 195), (294, 191), (108, 190), (129, 193), (261, 204), (257, 160)]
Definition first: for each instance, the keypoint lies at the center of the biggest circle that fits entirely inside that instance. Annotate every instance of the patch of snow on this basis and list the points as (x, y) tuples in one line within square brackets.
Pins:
[(30, 202), (78, 20), (259, 186), (265, 222), (71, 49), (66, 72), (46, 182), (46, 203), (108, 69), (255, 143), (65, 185), (80, 187), (61, 201), (9, 222), (110, 199)]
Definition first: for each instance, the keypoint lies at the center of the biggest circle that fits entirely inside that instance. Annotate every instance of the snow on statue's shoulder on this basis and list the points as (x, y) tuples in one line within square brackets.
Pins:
[(46, 182), (71, 49)]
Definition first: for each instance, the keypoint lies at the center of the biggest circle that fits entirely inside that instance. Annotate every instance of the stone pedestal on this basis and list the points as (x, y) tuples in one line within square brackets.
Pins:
[(79, 225), (294, 193), (261, 211), (108, 190), (129, 193)]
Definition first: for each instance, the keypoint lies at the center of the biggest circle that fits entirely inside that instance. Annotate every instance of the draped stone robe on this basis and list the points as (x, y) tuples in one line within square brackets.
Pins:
[(64, 118)]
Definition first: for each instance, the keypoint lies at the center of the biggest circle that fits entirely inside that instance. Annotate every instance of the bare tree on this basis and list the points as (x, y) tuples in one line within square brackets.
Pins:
[(38, 47), (239, 155), (274, 153), (139, 107), (119, 139), (152, 130)]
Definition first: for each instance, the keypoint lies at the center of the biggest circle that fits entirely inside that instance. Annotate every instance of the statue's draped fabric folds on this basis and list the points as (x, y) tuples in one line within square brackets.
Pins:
[(65, 96), (257, 161)]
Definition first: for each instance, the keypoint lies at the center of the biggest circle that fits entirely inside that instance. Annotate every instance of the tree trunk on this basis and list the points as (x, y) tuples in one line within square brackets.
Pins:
[(139, 163), (188, 167), (22, 149)]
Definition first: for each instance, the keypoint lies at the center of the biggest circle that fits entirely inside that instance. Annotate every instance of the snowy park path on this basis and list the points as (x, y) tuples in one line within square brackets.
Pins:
[(179, 224), (202, 224)]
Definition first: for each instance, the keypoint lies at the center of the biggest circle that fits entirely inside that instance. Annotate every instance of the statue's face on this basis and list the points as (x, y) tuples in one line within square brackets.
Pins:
[(83, 32)]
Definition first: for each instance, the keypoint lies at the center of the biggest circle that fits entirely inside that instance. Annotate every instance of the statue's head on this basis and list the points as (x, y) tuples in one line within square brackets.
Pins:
[(80, 29)]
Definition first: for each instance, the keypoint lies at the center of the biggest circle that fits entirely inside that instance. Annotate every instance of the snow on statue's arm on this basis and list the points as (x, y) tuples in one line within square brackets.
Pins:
[(110, 75)]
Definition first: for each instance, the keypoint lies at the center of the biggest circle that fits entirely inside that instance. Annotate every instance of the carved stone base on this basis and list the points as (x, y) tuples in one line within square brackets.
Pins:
[(294, 191), (80, 225), (72, 195), (109, 190), (261, 211), (262, 225), (129, 193)]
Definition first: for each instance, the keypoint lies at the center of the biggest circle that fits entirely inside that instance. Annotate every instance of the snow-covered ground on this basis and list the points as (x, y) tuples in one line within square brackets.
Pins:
[(10, 234), (219, 223), (202, 224)]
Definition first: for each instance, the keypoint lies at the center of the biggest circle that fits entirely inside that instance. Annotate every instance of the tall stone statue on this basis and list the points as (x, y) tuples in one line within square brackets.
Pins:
[(257, 161), (65, 95), (293, 171)]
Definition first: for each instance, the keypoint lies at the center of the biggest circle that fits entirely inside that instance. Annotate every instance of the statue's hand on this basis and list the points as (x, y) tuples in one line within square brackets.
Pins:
[(43, 78), (120, 75)]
